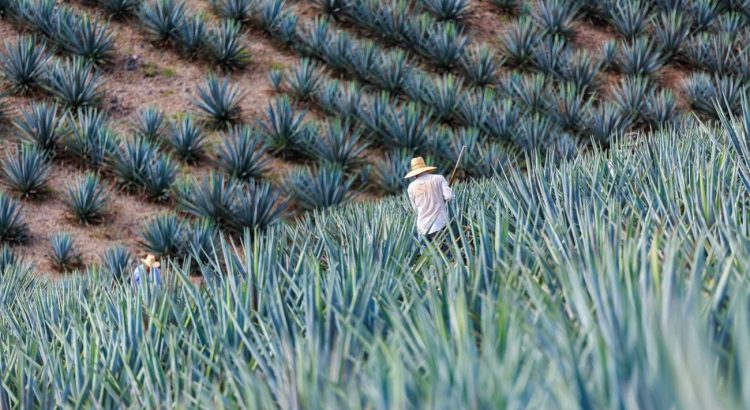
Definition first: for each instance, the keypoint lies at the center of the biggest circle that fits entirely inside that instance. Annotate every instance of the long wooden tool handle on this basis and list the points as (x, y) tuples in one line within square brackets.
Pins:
[(455, 169)]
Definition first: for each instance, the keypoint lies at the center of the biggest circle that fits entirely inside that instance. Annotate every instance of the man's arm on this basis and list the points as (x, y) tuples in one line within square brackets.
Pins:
[(447, 191)]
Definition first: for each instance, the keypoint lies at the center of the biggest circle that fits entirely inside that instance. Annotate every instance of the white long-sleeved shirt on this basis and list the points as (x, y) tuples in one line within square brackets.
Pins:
[(428, 194)]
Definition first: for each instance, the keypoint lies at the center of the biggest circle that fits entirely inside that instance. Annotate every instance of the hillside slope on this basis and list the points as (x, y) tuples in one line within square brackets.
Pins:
[(617, 277)]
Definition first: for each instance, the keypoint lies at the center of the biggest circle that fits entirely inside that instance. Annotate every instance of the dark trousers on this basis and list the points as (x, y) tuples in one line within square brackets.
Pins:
[(439, 239)]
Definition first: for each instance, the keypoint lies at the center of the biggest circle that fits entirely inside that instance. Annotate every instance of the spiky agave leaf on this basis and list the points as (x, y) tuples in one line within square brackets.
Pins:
[(717, 54), (40, 15), (219, 100), (501, 121), (536, 133), (661, 109), (669, 6), (607, 122), (162, 18), (531, 91), (164, 235), (480, 158), (158, 177), (331, 7), (24, 63), (240, 11), (242, 153), (702, 13), (202, 238), (670, 31), (405, 127), (226, 47), (129, 165), (283, 126), (40, 124), (388, 173), (480, 65), (318, 188), (552, 56), (27, 170), (570, 107), (443, 45), (640, 58), (74, 83), (117, 261), (64, 253), (86, 197), (304, 79), (441, 95), (87, 38), (8, 258), (629, 17), (391, 70), (13, 227), (150, 123), (339, 143), (609, 53), (192, 35), (257, 207), (90, 138), (119, 8), (582, 72), (730, 23), (705, 93), (519, 41), (188, 140), (279, 22), (632, 95), (213, 198), (448, 10), (473, 107), (556, 17)]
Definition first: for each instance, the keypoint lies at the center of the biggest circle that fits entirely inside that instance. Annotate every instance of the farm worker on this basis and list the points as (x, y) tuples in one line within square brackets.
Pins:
[(428, 194), (148, 271)]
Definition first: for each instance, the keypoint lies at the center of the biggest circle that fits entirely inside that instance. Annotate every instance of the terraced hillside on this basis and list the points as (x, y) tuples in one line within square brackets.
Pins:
[(151, 125), (618, 279)]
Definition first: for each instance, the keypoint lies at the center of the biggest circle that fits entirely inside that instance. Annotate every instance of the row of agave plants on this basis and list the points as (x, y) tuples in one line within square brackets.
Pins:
[(558, 99), (586, 284)]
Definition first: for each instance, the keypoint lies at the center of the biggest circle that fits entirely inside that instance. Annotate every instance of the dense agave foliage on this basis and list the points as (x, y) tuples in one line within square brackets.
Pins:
[(654, 261), (319, 188), (229, 203)]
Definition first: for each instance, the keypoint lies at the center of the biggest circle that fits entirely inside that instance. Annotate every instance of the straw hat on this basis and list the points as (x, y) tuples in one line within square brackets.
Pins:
[(151, 262), (417, 167)]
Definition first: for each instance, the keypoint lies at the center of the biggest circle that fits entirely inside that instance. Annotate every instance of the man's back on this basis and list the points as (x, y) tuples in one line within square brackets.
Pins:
[(428, 194)]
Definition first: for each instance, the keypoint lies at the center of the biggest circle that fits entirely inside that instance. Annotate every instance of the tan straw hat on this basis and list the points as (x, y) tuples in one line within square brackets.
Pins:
[(417, 167), (151, 262)]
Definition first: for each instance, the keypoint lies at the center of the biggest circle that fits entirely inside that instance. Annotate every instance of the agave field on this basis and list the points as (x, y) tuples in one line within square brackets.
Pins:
[(599, 237), (615, 279), (157, 125)]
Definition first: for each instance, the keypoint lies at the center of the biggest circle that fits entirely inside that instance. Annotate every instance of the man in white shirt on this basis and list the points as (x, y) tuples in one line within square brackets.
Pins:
[(428, 194)]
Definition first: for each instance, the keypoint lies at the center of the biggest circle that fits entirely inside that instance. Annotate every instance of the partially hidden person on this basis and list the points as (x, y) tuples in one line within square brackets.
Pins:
[(429, 194), (148, 271)]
